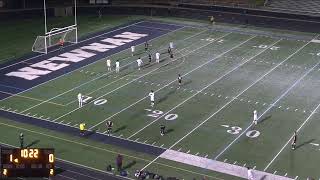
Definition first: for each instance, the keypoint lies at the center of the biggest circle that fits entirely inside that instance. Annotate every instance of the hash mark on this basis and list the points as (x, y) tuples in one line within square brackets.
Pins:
[(162, 145), (188, 151), (225, 160), (206, 156)]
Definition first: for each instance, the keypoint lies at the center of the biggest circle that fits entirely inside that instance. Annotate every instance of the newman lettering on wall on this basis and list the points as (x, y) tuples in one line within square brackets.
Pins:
[(64, 60)]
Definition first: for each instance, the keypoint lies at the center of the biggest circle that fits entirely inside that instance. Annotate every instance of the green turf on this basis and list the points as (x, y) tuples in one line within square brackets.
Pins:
[(21, 34), (225, 77)]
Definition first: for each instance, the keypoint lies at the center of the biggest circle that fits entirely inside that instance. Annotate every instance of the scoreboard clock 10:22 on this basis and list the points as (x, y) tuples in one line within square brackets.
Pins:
[(31, 162)]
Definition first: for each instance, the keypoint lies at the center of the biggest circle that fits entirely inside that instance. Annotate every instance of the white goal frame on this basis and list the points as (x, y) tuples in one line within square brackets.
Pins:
[(43, 42)]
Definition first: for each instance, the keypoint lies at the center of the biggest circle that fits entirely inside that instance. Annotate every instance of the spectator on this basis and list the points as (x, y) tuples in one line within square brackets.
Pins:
[(119, 162)]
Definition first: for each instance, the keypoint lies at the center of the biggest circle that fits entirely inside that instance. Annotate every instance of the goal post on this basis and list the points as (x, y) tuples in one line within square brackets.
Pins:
[(52, 38)]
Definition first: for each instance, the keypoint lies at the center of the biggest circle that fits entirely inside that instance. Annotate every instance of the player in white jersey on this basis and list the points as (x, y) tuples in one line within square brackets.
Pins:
[(255, 117), (132, 50), (109, 64), (139, 61), (117, 66), (80, 100), (158, 57), (250, 174), (151, 95), (171, 45)]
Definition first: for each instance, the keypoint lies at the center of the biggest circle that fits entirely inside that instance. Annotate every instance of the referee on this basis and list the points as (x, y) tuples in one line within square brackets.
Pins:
[(81, 127), (109, 127)]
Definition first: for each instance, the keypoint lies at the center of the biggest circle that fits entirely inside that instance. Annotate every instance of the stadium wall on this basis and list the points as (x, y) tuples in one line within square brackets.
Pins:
[(236, 15)]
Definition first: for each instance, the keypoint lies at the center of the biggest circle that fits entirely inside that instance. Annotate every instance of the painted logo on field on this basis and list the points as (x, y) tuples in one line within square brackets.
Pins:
[(47, 66)]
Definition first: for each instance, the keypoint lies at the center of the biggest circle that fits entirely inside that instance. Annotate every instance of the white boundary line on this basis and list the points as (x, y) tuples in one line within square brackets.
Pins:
[(226, 104), (150, 72), (89, 63), (73, 44), (126, 76), (270, 106), (301, 126), (106, 73), (77, 164), (162, 86), (200, 91)]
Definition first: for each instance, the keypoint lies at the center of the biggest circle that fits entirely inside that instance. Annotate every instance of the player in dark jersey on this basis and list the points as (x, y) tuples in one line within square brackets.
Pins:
[(150, 57), (21, 137), (162, 129), (146, 46), (169, 50), (179, 80), (294, 141), (109, 127)]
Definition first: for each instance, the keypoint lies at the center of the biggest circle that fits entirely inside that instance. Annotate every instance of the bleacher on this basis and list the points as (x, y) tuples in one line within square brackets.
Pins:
[(295, 6)]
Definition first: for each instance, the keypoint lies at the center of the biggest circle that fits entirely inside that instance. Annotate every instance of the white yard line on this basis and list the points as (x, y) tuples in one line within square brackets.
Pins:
[(80, 165), (66, 177), (228, 103), (301, 126), (73, 44), (276, 101), (200, 91), (162, 86), (134, 62), (102, 74), (88, 65), (91, 177), (150, 72)]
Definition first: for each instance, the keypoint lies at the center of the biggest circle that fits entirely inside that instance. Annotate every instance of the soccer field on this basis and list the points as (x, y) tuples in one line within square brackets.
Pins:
[(226, 75)]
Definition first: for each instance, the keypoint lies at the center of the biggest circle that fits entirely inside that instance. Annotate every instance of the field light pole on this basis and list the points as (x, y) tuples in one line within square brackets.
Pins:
[(75, 12), (45, 17)]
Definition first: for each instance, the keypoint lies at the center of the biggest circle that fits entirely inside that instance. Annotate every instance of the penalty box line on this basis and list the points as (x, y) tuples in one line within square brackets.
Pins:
[(162, 86), (136, 80), (105, 74), (227, 73)]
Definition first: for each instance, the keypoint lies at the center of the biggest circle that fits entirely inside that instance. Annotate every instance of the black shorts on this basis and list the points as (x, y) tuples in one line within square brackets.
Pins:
[(180, 81)]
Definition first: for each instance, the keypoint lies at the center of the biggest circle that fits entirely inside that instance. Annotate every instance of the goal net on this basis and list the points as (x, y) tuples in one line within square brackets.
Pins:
[(52, 38)]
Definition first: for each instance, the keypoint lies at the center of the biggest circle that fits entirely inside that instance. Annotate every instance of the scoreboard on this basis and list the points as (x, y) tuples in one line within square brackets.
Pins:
[(31, 162)]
